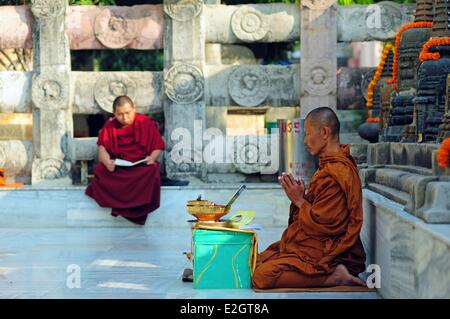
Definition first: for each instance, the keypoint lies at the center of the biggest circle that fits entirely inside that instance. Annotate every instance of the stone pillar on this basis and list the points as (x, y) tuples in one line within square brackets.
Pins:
[(52, 115), (318, 38), (184, 86)]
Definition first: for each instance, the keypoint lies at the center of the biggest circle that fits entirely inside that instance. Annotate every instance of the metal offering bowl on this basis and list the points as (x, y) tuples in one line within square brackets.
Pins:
[(206, 211)]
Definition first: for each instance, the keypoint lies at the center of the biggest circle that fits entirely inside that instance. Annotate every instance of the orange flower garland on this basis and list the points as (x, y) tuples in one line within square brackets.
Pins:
[(412, 25), (443, 156), (373, 120), (425, 55), (376, 77)]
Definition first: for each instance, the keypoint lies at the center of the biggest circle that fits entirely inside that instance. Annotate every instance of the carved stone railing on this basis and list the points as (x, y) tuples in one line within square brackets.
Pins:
[(188, 84), (407, 173)]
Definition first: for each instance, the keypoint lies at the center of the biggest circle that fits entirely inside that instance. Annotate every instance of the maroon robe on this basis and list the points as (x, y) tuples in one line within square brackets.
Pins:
[(131, 192)]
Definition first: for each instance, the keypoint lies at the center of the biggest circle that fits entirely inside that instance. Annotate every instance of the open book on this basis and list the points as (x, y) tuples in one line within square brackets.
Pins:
[(121, 162)]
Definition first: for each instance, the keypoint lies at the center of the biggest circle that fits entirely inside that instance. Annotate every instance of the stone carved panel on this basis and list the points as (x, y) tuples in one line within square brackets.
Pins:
[(248, 86), (183, 10), (249, 24), (114, 30), (184, 83), (318, 4), (108, 87), (319, 80), (50, 92), (49, 169), (47, 9)]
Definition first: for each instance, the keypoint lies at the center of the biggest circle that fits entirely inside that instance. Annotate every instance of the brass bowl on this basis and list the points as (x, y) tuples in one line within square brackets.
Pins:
[(206, 211)]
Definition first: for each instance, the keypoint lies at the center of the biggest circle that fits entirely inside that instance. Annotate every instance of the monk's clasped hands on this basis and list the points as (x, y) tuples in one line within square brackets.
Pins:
[(295, 190)]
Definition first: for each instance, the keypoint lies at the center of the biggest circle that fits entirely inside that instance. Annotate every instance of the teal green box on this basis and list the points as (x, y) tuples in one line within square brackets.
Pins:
[(223, 259)]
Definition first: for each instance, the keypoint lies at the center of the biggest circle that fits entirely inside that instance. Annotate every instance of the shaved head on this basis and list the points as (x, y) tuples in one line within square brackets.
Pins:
[(325, 116), (121, 101)]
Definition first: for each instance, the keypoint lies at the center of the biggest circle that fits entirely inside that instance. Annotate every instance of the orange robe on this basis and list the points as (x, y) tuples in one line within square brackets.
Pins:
[(323, 233)]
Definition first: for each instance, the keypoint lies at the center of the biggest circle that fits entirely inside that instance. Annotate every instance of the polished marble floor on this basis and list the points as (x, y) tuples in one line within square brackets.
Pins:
[(112, 263)]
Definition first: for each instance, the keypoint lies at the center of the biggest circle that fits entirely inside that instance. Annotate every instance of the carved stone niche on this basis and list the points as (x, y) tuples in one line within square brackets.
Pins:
[(110, 86), (249, 85), (249, 24), (114, 29), (183, 10), (184, 83), (51, 91)]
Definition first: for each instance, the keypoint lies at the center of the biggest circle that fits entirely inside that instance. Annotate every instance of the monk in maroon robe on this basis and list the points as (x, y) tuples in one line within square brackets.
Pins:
[(132, 192)]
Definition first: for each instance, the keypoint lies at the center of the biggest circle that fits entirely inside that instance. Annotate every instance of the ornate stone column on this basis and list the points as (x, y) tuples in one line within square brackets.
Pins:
[(318, 46), (52, 115), (184, 86), (318, 38)]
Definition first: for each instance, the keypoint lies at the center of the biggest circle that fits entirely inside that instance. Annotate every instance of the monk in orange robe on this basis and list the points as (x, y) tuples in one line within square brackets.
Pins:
[(132, 192), (321, 246)]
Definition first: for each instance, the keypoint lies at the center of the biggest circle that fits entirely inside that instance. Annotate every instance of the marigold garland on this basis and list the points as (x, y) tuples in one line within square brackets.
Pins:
[(426, 55), (373, 120), (412, 25), (443, 156), (376, 77)]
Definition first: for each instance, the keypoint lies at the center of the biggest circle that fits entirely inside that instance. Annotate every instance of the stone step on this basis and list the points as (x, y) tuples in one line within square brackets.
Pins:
[(34, 207)]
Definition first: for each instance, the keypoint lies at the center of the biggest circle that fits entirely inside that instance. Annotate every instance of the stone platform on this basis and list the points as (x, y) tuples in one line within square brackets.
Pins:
[(114, 263), (43, 230)]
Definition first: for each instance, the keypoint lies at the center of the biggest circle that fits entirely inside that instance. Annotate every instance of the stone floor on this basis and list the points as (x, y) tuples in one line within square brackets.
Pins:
[(114, 263)]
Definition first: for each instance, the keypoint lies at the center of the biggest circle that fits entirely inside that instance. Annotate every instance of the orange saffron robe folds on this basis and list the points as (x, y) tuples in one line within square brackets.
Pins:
[(131, 192), (325, 231)]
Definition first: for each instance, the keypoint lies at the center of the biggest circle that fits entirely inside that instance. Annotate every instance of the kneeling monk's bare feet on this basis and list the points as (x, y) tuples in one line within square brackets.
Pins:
[(341, 277)]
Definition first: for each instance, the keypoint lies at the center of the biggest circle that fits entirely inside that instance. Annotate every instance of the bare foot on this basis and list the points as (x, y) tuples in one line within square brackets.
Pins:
[(341, 277)]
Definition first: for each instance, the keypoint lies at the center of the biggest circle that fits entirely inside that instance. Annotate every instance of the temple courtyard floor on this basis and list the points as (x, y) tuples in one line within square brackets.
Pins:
[(115, 262)]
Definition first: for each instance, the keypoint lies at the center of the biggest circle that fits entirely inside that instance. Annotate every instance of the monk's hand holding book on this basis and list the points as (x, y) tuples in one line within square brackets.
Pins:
[(110, 165), (295, 190), (149, 160)]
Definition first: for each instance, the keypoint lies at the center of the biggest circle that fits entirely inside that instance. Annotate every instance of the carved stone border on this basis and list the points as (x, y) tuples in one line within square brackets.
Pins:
[(248, 85), (110, 86), (183, 10), (114, 30), (249, 24), (51, 93), (184, 83), (319, 80), (49, 169), (317, 4), (46, 9)]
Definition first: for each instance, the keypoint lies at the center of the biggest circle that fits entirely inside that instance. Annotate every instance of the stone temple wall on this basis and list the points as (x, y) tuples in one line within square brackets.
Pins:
[(194, 88)]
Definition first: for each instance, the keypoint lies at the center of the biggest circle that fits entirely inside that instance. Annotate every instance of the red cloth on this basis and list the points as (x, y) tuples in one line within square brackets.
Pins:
[(131, 192)]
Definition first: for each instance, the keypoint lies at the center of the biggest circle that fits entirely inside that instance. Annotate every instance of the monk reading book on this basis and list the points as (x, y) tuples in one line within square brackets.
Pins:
[(131, 191), (321, 246)]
